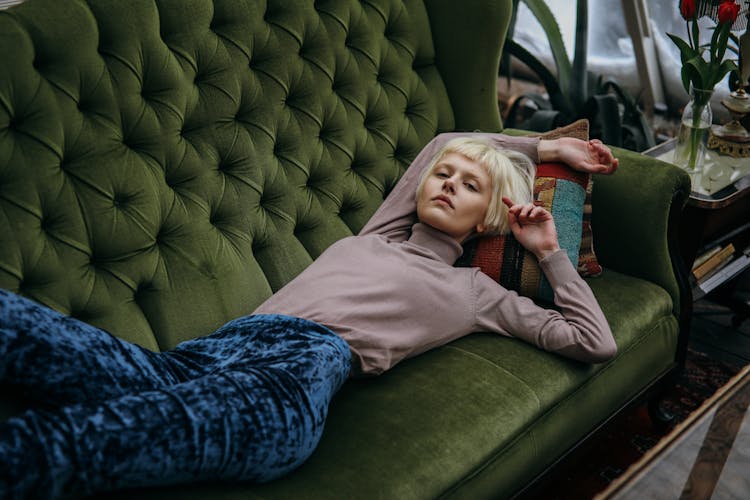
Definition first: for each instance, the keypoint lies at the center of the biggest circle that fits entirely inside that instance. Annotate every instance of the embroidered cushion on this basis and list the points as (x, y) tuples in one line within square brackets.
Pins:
[(560, 190), (588, 265), (566, 193)]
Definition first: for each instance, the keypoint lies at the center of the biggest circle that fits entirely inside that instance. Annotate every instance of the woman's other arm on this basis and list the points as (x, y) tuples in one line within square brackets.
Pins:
[(580, 330)]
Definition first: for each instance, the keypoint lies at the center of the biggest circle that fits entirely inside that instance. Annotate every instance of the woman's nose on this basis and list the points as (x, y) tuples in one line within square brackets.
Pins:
[(448, 185)]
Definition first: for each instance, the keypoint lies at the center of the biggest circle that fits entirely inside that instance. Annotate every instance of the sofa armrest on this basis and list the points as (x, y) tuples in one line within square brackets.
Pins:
[(635, 219)]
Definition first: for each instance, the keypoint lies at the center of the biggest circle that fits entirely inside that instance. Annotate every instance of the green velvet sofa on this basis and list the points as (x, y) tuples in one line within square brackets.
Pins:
[(167, 165)]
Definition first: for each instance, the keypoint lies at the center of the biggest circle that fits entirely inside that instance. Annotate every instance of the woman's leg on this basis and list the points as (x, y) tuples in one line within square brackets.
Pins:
[(257, 417), (56, 359)]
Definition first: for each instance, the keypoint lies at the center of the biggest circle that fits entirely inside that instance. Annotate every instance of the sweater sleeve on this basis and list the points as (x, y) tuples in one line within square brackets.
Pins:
[(578, 331), (398, 213)]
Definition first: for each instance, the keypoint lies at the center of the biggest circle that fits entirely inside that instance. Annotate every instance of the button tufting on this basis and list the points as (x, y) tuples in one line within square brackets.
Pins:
[(162, 236), (258, 245), (401, 156), (45, 224), (141, 289), (15, 123), (120, 200), (268, 15)]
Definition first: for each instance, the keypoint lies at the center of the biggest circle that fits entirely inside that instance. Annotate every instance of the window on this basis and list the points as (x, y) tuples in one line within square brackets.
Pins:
[(627, 41)]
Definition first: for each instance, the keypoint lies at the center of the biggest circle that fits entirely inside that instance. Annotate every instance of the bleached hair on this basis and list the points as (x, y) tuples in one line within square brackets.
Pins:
[(511, 173)]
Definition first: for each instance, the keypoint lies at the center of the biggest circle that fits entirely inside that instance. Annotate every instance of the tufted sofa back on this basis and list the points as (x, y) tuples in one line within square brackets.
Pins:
[(166, 165)]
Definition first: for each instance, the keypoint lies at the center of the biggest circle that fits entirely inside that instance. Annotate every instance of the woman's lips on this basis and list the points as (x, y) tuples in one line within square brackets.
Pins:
[(444, 200)]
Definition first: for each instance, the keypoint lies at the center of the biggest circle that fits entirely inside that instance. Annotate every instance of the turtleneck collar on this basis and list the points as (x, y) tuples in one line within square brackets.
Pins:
[(440, 243)]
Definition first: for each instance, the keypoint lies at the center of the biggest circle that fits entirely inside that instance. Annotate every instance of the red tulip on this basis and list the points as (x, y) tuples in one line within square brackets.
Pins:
[(687, 9), (728, 11)]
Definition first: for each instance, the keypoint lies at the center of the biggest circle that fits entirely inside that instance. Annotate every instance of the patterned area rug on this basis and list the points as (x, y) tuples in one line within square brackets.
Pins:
[(590, 469)]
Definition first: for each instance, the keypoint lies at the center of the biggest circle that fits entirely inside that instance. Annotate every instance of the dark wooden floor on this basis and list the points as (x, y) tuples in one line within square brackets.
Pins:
[(714, 327)]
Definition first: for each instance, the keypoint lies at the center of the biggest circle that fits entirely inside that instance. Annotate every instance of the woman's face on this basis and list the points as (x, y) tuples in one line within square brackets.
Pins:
[(455, 196)]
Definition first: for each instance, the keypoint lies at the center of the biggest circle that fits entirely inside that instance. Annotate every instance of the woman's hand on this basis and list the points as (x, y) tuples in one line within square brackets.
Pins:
[(533, 227), (586, 156)]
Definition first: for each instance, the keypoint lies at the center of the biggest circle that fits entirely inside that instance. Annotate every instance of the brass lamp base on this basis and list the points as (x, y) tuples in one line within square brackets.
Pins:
[(733, 139), (729, 147)]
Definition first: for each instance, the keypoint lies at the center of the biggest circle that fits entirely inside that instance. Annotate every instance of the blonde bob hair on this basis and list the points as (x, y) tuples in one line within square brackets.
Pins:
[(511, 174)]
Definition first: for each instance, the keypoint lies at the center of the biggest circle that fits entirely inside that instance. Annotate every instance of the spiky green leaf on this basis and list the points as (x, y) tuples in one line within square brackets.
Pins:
[(557, 97), (543, 14)]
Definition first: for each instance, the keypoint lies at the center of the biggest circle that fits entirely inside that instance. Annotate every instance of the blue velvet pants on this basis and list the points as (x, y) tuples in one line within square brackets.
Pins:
[(246, 403)]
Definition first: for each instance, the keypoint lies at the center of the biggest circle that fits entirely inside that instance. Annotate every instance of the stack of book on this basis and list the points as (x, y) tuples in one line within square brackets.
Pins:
[(718, 265)]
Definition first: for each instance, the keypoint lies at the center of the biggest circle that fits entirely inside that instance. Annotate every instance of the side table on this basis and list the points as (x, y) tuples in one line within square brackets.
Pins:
[(717, 211), (719, 203)]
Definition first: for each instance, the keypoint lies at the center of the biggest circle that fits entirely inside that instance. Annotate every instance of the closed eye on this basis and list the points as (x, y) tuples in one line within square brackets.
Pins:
[(471, 187)]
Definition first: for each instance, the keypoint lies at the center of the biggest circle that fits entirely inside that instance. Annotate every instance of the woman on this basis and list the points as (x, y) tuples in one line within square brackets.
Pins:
[(249, 401)]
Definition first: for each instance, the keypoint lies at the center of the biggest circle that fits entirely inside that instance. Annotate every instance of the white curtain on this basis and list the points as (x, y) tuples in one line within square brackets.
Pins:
[(610, 50)]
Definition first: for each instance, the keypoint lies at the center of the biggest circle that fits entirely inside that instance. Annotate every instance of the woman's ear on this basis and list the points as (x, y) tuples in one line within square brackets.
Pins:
[(481, 228)]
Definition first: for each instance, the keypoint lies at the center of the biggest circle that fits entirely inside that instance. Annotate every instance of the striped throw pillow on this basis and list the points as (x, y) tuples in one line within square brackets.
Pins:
[(562, 191)]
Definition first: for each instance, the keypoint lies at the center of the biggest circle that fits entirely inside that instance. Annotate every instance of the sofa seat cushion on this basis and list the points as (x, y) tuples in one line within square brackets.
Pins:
[(435, 423)]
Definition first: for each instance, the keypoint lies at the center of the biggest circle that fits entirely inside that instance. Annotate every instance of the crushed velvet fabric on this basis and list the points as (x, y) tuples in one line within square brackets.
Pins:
[(246, 403)]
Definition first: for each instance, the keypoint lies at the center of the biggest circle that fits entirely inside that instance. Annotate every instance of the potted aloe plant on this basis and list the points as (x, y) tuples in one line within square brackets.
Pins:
[(573, 92)]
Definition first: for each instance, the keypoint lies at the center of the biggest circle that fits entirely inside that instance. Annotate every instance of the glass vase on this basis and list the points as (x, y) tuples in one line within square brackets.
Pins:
[(690, 149)]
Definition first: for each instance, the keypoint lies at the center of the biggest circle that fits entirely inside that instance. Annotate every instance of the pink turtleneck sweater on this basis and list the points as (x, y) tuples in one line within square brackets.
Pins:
[(392, 291)]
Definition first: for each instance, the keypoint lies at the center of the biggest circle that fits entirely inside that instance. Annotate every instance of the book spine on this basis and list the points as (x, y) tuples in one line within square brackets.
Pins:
[(728, 272), (705, 256), (717, 267), (713, 262)]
